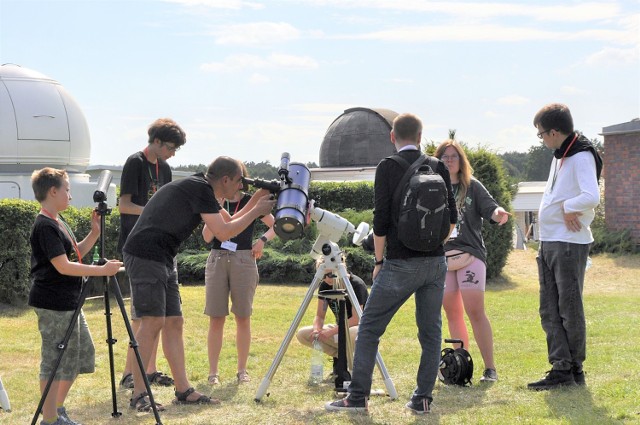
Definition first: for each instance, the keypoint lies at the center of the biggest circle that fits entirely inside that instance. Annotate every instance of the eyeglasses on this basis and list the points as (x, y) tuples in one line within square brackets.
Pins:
[(541, 133), (172, 148), (450, 157)]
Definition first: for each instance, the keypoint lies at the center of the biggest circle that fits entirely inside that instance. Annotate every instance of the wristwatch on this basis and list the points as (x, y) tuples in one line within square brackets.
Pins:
[(263, 238), (377, 263)]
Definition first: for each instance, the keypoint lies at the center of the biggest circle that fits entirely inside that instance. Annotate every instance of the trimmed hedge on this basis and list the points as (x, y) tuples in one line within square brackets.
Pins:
[(285, 262), (16, 220)]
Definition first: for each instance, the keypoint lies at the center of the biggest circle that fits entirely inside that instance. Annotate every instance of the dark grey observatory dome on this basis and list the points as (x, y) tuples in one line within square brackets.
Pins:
[(358, 137)]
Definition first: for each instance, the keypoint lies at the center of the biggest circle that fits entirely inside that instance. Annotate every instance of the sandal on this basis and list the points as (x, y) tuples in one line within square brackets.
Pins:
[(160, 378), (181, 398), (214, 379), (127, 381), (243, 377), (142, 403)]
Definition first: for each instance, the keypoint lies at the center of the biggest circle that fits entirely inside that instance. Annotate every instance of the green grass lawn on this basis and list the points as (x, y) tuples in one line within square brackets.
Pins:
[(612, 394)]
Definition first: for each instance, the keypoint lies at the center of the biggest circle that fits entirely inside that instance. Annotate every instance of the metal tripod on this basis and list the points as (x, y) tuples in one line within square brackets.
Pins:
[(331, 260), (102, 210)]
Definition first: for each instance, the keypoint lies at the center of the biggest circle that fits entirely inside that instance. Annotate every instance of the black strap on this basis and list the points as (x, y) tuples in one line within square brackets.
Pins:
[(410, 169)]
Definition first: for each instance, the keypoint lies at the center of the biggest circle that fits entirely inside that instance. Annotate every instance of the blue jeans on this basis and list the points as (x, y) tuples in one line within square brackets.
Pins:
[(561, 268), (394, 284)]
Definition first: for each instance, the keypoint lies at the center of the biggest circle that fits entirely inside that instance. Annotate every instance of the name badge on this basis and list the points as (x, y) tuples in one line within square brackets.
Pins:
[(229, 246)]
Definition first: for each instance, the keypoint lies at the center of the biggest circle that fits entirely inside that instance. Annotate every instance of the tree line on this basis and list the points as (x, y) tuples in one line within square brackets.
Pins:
[(532, 165)]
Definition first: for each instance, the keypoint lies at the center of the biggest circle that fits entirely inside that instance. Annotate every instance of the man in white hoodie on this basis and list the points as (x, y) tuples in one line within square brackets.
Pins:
[(566, 211)]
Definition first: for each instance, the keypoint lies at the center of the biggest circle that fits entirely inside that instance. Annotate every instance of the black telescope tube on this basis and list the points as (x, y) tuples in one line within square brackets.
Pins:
[(272, 186)]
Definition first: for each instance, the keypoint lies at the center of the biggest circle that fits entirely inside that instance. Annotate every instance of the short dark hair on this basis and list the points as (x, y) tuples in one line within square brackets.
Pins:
[(407, 127), (46, 178), (554, 116), (224, 166), (167, 131)]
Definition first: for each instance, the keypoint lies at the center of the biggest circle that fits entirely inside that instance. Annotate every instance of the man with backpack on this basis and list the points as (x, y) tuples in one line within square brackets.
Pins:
[(419, 269)]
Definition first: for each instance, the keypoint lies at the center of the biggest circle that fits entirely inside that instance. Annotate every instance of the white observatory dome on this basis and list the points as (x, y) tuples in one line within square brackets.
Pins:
[(41, 125)]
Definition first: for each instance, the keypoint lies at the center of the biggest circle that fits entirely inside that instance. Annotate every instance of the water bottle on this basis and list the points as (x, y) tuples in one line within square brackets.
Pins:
[(96, 255), (4, 399), (317, 358)]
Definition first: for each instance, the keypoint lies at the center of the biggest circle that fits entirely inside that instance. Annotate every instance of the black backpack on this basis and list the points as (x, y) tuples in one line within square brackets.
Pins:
[(420, 208)]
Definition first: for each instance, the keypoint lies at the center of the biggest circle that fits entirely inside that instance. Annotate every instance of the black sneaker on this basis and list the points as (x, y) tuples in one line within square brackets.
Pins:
[(553, 379), (421, 407), (489, 375), (347, 405), (578, 376)]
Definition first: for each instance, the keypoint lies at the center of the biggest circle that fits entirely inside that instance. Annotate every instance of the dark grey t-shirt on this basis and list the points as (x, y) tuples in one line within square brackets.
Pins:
[(170, 217), (478, 205)]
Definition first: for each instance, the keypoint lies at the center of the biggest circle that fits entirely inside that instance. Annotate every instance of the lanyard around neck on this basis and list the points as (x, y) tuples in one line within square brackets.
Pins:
[(229, 207), (66, 229), (146, 155), (557, 169)]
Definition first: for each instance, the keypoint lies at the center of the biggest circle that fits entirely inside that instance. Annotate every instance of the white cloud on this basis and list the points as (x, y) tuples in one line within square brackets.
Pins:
[(256, 33), (280, 60), (220, 4), (571, 90), (513, 100), (491, 114), (421, 34), (273, 61), (258, 79), (588, 11), (334, 109), (610, 56)]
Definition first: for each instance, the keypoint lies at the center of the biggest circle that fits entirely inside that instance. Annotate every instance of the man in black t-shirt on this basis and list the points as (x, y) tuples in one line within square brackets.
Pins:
[(142, 175), (168, 219)]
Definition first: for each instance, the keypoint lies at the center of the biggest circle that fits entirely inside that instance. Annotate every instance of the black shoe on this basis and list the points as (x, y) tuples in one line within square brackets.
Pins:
[(553, 379), (347, 404), (578, 376), (421, 407)]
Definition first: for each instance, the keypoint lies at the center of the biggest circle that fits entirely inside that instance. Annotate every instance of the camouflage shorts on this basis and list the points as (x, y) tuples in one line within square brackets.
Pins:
[(79, 356)]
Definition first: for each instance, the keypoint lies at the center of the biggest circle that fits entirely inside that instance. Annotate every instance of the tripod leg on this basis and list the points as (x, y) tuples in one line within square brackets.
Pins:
[(342, 373), (110, 341), (62, 347), (264, 385), (388, 382), (134, 345)]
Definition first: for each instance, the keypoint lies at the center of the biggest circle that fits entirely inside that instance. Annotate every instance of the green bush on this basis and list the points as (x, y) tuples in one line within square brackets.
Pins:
[(191, 266), (16, 219), (333, 196), (278, 267)]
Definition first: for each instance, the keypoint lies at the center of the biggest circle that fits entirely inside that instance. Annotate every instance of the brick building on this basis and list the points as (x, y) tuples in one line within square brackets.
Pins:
[(622, 177)]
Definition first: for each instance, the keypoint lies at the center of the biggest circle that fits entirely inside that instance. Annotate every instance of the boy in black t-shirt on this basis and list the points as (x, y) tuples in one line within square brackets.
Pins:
[(143, 174), (56, 271)]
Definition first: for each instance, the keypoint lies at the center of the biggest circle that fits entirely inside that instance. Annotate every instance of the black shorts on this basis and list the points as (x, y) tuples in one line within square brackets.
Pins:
[(154, 288)]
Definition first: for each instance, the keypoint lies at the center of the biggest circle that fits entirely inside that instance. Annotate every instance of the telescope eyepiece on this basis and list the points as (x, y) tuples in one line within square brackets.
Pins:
[(272, 186)]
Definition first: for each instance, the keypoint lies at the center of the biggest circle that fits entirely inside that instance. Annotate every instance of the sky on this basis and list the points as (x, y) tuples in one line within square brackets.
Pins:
[(253, 79)]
